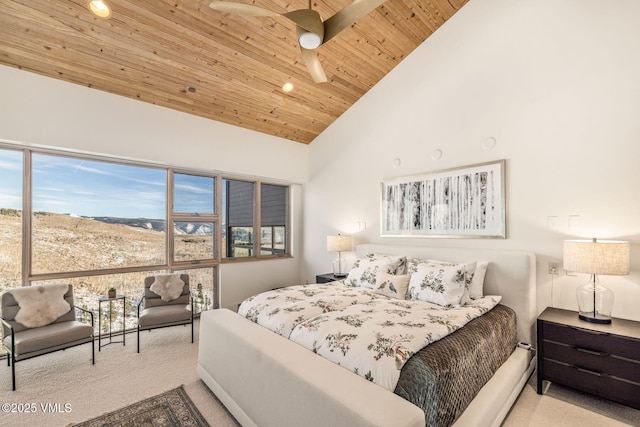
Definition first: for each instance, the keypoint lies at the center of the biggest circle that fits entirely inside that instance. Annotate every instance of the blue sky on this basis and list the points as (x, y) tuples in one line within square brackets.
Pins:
[(91, 188), (10, 179)]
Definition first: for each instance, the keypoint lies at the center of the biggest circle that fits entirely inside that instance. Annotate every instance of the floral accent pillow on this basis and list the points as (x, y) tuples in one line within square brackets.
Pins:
[(365, 269), (475, 277), (438, 283), (392, 285), (470, 270)]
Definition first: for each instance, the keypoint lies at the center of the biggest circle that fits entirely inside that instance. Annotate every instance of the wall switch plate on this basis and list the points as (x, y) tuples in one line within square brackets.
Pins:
[(554, 267)]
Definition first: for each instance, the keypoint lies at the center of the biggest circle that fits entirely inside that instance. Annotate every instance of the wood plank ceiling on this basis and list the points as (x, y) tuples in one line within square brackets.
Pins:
[(156, 50)]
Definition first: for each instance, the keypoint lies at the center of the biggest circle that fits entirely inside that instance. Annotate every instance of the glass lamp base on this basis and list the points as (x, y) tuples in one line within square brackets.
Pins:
[(595, 302), (599, 319), (339, 268)]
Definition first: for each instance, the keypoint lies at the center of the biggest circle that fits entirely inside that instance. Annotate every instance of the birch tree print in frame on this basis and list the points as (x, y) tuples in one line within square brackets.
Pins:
[(461, 202)]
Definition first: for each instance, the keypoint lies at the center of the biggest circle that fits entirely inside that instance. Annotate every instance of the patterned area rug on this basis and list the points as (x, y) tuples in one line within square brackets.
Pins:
[(172, 408)]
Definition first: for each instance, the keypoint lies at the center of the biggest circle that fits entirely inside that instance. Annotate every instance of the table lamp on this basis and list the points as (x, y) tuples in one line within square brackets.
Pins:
[(595, 257), (339, 243)]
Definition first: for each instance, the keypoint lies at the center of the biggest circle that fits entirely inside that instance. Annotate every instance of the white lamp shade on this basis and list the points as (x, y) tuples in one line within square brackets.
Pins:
[(609, 257), (339, 243)]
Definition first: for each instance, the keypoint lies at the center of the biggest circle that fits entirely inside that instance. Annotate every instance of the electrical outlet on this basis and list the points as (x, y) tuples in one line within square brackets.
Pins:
[(554, 267)]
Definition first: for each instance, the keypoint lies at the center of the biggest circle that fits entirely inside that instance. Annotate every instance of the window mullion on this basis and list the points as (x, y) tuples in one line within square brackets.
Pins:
[(26, 217), (257, 220), (169, 218), (218, 211)]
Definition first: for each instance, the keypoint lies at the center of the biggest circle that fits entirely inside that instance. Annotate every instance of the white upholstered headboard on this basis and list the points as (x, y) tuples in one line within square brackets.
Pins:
[(511, 274)]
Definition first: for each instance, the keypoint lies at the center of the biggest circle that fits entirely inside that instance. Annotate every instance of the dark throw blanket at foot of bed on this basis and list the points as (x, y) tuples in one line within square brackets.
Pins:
[(446, 375)]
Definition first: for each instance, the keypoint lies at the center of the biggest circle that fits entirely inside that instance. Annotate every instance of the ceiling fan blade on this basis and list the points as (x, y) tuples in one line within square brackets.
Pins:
[(241, 9), (347, 16), (310, 58), (308, 19)]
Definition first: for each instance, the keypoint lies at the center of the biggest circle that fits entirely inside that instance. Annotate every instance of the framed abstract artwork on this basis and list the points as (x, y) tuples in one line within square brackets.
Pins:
[(467, 202)]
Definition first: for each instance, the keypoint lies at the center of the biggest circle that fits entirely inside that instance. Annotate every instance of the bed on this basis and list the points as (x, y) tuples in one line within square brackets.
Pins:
[(265, 379)]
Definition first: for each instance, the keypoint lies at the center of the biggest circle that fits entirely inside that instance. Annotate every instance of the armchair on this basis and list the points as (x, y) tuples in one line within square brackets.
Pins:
[(160, 311), (38, 320)]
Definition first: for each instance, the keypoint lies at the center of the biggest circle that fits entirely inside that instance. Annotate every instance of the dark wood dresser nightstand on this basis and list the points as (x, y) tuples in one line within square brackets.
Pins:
[(603, 360), (328, 277)]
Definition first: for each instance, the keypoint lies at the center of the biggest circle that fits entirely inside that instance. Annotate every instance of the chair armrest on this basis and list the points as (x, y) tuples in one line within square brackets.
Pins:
[(137, 301), (13, 341), (191, 302), (5, 323), (140, 304), (86, 311)]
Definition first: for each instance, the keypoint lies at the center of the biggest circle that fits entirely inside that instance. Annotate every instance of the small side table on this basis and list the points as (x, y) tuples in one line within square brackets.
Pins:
[(328, 277), (110, 300)]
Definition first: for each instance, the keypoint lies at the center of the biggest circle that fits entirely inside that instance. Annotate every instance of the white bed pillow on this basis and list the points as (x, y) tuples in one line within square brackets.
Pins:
[(392, 285), (365, 269), (438, 283), (476, 290)]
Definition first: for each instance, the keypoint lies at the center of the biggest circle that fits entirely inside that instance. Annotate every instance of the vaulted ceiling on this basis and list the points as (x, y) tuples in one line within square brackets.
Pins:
[(183, 55)]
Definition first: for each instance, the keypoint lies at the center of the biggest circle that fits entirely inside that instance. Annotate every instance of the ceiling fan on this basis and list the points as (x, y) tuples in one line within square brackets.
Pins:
[(311, 30)]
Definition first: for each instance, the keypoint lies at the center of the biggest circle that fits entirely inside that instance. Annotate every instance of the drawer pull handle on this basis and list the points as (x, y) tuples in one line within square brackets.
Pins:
[(587, 331), (590, 372), (592, 352)]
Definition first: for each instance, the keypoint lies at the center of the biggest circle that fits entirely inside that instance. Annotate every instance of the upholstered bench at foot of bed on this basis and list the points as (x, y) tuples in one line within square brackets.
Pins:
[(289, 386)]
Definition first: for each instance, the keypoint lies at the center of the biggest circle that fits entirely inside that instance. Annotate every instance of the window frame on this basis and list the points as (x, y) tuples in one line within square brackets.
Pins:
[(257, 220), (173, 217), (170, 265)]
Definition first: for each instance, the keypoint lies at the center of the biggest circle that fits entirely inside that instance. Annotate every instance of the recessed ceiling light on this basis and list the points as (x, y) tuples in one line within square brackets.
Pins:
[(99, 8), (287, 87)]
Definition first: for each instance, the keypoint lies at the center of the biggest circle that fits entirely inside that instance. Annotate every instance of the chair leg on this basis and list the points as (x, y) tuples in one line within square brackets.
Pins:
[(138, 339), (13, 372), (191, 331), (93, 352)]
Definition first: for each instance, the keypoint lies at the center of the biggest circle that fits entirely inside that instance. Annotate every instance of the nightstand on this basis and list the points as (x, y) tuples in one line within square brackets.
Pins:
[(328, 277), (600, 359)]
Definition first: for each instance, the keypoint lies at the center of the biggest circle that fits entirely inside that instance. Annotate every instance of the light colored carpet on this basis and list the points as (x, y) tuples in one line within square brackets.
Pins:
[(119, 378), (80, 391), (560, 406)]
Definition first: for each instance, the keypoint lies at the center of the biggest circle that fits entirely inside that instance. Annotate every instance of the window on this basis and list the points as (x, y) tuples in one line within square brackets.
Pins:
[(273, 219), (10, 219), (193, 241), (203, 284), (238, 218), (193, 218), (193, 194), (91, 215), (98, 223)]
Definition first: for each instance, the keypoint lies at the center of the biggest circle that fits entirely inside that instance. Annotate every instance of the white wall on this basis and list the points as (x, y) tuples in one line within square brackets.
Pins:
[(555, 82), (40, 111)]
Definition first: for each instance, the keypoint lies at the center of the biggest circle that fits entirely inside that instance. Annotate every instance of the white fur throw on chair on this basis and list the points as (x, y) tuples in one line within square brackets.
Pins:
[(40, 305), (167, 286)]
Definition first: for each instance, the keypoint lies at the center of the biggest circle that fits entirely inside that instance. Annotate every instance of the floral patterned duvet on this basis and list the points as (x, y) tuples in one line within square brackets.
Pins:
[(368, 333), (280, 310)]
